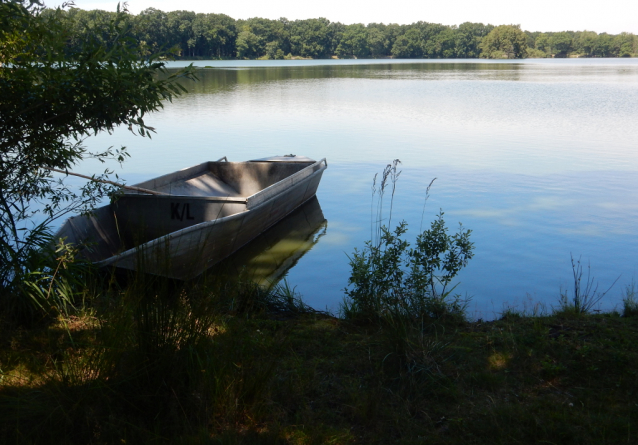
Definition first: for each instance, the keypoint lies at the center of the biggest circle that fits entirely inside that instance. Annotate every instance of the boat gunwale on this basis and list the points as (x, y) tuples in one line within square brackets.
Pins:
[(239, 199)]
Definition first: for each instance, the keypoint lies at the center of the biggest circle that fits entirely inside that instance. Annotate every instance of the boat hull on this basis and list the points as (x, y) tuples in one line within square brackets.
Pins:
[(266, 259)]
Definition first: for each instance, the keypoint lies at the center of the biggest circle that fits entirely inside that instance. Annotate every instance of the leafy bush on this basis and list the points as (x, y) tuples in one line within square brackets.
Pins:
[(55, 94), (390, 278)]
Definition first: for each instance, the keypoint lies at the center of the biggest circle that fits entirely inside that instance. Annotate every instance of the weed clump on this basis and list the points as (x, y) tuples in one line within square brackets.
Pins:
[(390, 279), (630, 301), (585, 295)]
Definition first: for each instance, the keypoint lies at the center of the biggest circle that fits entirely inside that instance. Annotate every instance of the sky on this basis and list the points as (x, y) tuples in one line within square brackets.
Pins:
[(611, 16)]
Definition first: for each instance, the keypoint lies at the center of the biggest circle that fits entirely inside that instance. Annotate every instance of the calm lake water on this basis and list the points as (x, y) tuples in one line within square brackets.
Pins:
[(539, 158)]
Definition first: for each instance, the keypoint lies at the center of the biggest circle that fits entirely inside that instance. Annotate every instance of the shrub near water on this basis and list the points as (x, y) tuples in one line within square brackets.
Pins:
[(390, 278)]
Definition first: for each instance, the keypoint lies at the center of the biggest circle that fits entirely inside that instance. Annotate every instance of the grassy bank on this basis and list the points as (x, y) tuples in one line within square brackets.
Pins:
[(157, 363)]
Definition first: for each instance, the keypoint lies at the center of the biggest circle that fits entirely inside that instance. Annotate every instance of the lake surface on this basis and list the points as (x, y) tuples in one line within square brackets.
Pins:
[(539, 158)]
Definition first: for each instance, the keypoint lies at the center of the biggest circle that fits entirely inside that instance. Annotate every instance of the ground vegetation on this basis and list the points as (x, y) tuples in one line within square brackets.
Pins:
[(217, 364)]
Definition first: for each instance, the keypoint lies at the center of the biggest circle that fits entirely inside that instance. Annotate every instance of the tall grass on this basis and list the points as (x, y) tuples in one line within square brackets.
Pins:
[(49, 281), (160, 360), (585, 295), (630, 300)]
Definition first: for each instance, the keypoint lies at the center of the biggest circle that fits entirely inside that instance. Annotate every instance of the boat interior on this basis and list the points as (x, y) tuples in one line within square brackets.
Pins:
[(223, 179)]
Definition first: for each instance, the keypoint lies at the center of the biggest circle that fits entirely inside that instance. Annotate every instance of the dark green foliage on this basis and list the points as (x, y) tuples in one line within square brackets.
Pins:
[(245, 297), (155, 361), (561, 42), (311, 38), (468, 39), (60, 86), (585, 43), (354, 43)]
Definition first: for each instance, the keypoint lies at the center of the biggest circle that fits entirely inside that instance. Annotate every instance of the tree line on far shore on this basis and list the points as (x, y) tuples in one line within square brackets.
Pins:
[(193, 35)]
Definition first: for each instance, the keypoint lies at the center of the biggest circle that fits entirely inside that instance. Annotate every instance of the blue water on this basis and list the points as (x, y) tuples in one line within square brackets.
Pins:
[(538, 158)]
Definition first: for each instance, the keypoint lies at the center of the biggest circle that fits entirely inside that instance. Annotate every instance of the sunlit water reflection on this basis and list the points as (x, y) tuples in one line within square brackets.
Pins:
[(538, 158)]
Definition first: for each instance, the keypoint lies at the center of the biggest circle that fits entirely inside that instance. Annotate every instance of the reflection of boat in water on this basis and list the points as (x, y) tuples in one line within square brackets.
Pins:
[(267, 258), (179, 224)]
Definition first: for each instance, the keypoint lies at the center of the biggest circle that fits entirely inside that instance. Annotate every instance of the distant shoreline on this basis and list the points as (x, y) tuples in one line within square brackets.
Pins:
[(187, 35), (187, 59)]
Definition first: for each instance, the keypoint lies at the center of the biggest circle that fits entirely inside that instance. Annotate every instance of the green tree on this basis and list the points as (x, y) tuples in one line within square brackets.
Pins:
[(311, 38), (585, 43), (248, 45), (215, 35), (604, 45), (392, 32), (408, 45), (505, 42), (273, 51), (469, 37), (153, 30), (262, 37), (442, 45), (377, 40), (354, 42), (95, 22), (561, 43), (434, 38), (543, 44), (269, 30), (531, 39), (180, 25), (53, 96), (625, 44)]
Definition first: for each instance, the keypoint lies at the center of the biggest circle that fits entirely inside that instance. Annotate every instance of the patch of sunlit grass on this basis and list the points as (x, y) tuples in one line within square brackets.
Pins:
[(76, 323), (498, 361)]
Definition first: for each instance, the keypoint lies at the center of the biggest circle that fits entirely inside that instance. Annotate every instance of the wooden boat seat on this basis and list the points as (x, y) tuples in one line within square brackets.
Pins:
[(206, 184)]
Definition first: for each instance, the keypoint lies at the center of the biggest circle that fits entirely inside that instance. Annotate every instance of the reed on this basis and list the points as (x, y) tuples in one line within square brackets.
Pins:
[(630, 300), (585, 295)]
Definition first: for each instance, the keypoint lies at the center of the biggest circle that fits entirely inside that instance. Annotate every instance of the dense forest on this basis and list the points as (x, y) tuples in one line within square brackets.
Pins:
[(193, 35)]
